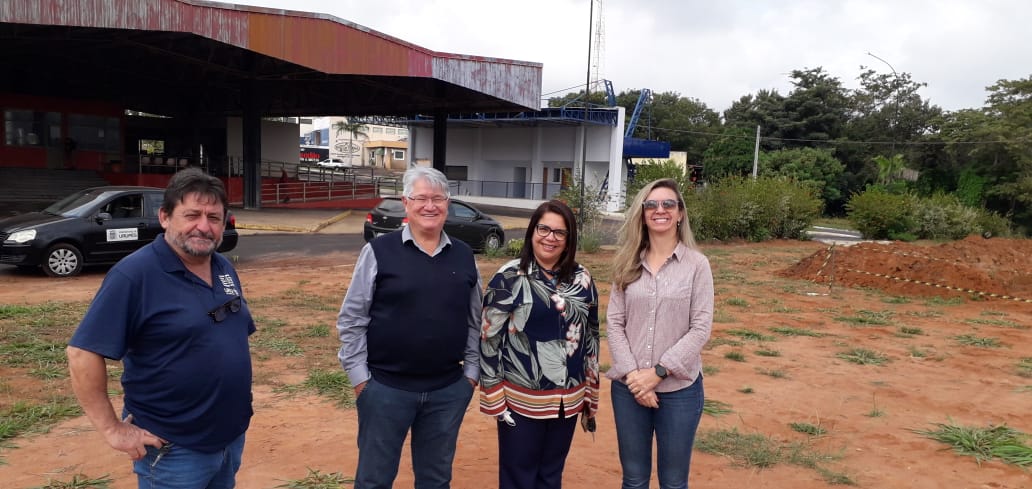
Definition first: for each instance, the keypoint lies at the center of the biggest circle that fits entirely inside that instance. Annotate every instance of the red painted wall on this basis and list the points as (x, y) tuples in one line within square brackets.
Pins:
[(36, 156)]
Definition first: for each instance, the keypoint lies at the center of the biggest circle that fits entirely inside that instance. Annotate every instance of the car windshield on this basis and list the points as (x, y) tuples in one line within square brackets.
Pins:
[(78, 204)]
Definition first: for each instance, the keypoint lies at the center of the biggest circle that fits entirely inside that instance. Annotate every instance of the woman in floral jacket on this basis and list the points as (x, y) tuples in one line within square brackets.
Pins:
[(539, 352)]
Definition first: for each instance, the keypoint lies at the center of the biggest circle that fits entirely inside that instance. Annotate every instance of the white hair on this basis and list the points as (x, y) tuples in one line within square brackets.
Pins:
[(432, 176)]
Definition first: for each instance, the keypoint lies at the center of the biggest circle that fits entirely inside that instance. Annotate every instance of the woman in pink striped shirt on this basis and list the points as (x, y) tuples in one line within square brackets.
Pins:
[(659, 317)]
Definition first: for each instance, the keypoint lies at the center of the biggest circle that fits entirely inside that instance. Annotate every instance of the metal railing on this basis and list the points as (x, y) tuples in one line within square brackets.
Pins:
[(510, 190)]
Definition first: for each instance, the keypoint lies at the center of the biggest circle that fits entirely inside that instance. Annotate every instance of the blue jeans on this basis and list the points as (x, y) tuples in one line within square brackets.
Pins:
[(182, 468), (674, 424), (385, 416)]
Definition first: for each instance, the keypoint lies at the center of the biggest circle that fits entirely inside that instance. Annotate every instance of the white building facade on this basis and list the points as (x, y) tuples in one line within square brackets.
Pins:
[(529, 159)]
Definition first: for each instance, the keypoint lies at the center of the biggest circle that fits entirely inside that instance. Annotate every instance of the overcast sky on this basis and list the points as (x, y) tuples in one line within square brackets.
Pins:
[(718, 51)]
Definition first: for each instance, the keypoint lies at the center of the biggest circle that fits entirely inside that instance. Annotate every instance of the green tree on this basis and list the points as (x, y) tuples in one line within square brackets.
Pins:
[(731, 154), (654, 171), (817, 169)]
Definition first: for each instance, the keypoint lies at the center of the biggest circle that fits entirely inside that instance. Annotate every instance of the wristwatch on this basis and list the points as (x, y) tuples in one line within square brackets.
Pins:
[(661, 371)]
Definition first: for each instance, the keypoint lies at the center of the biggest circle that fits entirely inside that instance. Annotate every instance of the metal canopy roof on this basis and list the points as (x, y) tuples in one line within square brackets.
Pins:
[(192, 57)]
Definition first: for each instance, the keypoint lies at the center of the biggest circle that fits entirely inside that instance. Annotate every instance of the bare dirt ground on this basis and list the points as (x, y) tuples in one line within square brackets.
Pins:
[(871, 296)]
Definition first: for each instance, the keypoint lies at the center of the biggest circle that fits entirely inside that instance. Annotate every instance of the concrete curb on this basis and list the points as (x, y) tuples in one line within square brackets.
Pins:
[(294, 229)]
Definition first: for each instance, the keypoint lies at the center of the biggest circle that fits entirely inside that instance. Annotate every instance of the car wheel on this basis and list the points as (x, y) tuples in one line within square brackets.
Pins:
[(63, 260), (492, 242)]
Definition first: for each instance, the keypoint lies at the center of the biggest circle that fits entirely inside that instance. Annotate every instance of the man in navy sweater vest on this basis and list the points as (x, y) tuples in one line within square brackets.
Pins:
[(410, 333)]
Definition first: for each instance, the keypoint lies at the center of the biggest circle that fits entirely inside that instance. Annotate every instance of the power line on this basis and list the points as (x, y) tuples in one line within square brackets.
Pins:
[(829, 141)]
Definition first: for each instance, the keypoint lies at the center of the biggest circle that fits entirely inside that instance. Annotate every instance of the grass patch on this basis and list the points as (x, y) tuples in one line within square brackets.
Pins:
[(996, 322), (917, 352), (714, 407), (332, 384), (736, 356), (316, 331), (768, 353), (909, 331), (737, 302), (708, 370), (283, 346), (79, 481), (863, 356), (24, 417), (993, 442), (875, 411), (1025, 367), (722, 317), (317, 480), (807, 429), (775, 373), (33, 351), (788, 331), (972, 340), (746, 334), (944, 301), (715, 342), (934, 313), (867, 318), (760, 451), (896, 300), (746, 390)]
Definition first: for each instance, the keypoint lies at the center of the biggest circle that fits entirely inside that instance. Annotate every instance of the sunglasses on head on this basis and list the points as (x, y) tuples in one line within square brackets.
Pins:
[(219, 313), (666, 203)]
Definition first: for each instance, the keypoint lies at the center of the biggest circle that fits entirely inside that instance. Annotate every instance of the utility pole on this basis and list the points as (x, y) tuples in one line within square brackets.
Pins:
[(756, 154), (584, 123), (895, 90)]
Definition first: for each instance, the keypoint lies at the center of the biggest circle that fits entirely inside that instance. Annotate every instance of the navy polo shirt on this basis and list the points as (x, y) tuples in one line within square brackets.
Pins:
[(187, 378)]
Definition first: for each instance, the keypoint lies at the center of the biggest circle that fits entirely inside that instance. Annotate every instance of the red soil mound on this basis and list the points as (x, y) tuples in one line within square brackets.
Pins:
[(972, 266)]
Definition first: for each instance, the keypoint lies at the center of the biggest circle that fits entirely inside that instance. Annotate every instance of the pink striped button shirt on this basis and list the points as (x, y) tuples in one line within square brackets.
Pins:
[(664, 317)]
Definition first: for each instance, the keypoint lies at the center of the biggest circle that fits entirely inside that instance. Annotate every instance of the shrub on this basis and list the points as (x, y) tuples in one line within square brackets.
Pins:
[(944, 216), (878, 214), (514, 247), (760, 209)]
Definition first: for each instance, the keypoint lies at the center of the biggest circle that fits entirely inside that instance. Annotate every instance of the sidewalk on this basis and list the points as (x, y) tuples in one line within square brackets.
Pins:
[(322, 221)]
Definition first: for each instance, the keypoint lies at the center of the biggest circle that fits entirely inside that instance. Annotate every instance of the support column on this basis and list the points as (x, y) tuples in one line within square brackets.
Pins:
[(251, 140), (440, 139)]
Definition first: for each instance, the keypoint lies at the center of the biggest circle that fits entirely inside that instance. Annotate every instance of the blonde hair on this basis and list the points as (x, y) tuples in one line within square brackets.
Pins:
[(634, 236)]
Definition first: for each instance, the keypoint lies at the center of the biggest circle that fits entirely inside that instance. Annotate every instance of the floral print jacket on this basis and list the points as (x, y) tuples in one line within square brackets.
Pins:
[(539, 345)]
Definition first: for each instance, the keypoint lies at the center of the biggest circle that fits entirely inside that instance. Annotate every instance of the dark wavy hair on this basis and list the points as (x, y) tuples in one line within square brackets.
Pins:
[(193, 181), (567, 260)]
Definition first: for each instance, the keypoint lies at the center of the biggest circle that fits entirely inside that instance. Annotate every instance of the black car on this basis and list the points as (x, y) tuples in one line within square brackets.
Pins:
[(97, 225), (480, 231)]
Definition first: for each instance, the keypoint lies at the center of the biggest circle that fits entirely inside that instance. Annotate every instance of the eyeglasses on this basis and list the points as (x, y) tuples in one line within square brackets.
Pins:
[(219, 313), (543, 231), (422, 199), (666, 203)]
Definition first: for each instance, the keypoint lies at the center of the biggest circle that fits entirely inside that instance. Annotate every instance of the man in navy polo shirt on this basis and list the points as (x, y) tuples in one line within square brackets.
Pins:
[(410, 340), (173, 313)]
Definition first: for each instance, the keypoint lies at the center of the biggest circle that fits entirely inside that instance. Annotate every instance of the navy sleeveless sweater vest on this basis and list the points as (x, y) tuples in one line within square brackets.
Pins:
[(419, 316)]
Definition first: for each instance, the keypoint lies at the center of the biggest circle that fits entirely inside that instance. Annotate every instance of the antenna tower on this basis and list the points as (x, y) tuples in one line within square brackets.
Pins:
[(598, 45)]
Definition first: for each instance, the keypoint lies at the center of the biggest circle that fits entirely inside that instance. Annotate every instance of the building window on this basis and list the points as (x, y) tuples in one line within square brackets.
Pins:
[(456, 172), (398, 154), (29, 128), (391, 130), (557, 175), (403, 132), (376, 130), (95, 132)]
